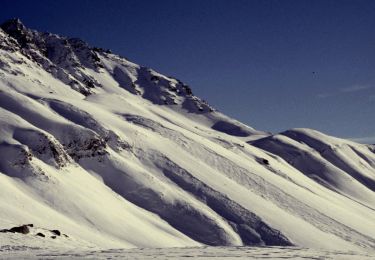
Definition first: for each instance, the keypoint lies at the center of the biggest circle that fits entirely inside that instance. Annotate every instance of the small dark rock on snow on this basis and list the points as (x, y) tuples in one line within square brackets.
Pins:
[(56, 232), (266, 162)]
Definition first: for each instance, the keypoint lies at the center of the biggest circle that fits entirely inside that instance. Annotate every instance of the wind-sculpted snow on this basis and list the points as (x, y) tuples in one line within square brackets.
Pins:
[(116, 155), (249, 226), (342, 166), (231, 129)]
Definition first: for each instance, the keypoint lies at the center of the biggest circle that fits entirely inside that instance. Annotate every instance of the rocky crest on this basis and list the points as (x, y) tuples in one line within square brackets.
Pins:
[(74, 62)]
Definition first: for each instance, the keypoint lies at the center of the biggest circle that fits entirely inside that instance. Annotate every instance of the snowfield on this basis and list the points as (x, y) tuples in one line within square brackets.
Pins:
[(115, 155), (200, 253)]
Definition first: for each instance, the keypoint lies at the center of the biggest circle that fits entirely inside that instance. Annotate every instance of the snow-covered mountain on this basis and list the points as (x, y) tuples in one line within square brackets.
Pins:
[(116, 155)]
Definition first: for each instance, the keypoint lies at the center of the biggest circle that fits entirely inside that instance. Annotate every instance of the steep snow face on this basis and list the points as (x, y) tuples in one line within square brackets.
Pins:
[(117, 155)]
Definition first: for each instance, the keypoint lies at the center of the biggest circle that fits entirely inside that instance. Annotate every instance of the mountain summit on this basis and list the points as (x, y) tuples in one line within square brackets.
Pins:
[(115, 155)]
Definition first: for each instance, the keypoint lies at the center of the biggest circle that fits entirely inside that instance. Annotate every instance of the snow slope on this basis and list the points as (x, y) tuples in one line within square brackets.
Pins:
[(116, 155)]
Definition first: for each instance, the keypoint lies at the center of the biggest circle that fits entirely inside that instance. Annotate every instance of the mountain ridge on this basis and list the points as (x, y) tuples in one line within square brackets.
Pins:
[(118, 155)]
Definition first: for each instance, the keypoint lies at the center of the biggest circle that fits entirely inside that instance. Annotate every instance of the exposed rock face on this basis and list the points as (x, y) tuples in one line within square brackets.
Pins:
[(69, 59)]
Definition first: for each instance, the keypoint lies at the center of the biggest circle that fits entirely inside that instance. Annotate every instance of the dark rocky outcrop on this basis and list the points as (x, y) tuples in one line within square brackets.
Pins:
[(23, 229)]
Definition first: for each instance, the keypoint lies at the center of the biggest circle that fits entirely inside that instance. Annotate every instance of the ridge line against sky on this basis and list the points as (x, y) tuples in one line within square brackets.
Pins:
[(273, 65)]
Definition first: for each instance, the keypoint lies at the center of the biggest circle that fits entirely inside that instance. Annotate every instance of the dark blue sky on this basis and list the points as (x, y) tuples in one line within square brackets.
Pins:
[(271, 64)]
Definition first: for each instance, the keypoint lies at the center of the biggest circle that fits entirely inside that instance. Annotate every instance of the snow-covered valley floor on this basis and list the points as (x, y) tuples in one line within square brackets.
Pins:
[(185, 253)]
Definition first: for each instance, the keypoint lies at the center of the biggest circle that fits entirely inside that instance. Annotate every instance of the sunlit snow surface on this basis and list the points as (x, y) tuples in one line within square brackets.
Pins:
[(115, 155)]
